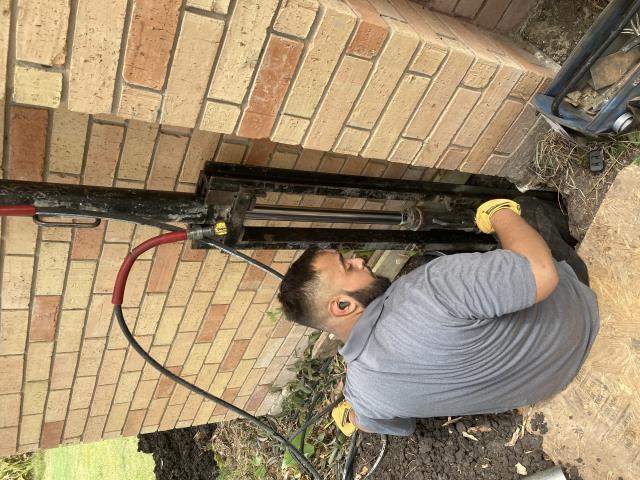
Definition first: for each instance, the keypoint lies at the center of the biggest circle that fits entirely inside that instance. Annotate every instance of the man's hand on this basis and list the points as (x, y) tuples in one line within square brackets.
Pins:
[(489, 208), (342, 415)]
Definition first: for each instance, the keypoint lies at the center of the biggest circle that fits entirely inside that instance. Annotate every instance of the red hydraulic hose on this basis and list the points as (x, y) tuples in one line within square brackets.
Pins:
[(17, 210), (123, 274)]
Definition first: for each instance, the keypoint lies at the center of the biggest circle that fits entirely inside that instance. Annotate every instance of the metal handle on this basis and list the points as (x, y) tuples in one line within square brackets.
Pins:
[(38, 220)]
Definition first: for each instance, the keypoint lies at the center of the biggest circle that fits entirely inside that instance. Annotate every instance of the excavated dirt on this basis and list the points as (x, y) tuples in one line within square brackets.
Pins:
[(181, 454)]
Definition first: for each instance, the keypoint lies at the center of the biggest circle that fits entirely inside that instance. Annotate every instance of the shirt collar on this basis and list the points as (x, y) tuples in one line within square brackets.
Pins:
[(363, 329)]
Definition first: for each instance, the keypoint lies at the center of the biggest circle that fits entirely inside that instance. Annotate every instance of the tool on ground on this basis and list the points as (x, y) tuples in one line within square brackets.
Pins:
[(340, 415), (596, 93), (488, 208)]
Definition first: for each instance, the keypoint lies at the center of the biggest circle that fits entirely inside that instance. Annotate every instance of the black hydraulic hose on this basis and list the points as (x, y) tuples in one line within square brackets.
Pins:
[(347, 473), (318, 416), (314, 400)]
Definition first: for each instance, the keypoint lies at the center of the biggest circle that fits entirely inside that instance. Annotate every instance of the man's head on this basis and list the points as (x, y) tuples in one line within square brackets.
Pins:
[(322, 288)]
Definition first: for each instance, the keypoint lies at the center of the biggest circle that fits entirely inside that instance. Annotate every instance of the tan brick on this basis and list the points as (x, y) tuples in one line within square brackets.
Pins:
[(527, 85), (134, 423), (44, 318), (103, 154), (99, 316), (245, 36), (323, 52), (270, 86), (232, 276), (64, 367), (290, 343), (459, 107), (195, 311), (57, 404), (516, 133), (191, 407), (90, 356), (163, 267), (142, 233), (295, 17), (110, 261), (231, 152), (250, 321), (405, 151), (491, 13), (168, 325), (8, 438), (94, 59), (385, 9), (126, 387), (28, 138), (137, 150), (143, 394), (268, 352), (38, 361), (167, 161), (52, 263), (229, 395), (204, 413), (102, 400), (41, 34), (13, 331), (480, 74), (16, 282), (220, 117), (351, 141), (237, 309), (371, 31), (170, 417), (193, 58), (258, 341), (256, 399), (196, 358), (150, 313), (140, 104), (180, 394), (150, 39), (30, 428), (453, 157), (70, 330), (202, 147), (111, 366), (240, 373), (34, 397), (94, 429), (180, 348), (20, 236), (290, 130), (136, 283), (5, 21), (183, 284), (334, 109), (68, 136), (283, 159), (388, 69), (395, 117), (494, 164), (134, 361), (116, 418), (37, 87), (273, 370), (76, 421), (220, 345), (251, 382), (87, 243), (503, 118), (492, 98), (159, 353)]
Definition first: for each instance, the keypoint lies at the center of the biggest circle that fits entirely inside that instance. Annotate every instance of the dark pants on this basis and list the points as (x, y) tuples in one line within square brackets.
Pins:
[(553, 227)]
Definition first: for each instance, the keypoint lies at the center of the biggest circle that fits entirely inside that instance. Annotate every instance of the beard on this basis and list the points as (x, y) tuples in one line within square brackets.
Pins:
[(373, 291)]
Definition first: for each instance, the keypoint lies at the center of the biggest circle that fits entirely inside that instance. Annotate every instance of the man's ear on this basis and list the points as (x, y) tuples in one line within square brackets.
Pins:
[(342, 306)]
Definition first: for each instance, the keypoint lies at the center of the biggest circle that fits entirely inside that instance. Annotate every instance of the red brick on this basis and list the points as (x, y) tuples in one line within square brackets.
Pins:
[(260, 152), (253, 276), (272, 81), (229, 395), (468, 8), (166, 385), (211, 323), (153, 28), (193, 254), (87, 243), (256, 398), (51, 434), (44, 318), (234, 355), (103, 154), (134, 423), (28, 138), (164, 266), (371, 31), (492, 12)]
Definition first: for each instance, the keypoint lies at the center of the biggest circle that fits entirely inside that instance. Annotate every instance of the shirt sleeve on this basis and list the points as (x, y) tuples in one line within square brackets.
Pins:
[(403, 427), (481, 285)]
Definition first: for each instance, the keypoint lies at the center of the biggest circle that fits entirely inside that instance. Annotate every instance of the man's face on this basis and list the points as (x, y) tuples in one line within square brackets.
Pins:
[(342, 274)]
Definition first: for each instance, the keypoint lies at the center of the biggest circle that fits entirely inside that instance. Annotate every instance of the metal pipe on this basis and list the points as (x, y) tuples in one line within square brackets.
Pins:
[(301, 214)]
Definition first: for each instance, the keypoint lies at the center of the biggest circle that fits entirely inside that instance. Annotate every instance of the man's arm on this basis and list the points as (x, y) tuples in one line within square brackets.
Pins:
[(517, 235)]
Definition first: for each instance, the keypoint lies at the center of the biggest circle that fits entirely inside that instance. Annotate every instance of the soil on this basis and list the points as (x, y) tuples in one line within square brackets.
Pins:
[(443, 453), (556, 26), (183, 453)]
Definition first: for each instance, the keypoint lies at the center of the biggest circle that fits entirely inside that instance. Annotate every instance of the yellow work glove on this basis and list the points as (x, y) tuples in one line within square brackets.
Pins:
[(487, 209), (340, 415)]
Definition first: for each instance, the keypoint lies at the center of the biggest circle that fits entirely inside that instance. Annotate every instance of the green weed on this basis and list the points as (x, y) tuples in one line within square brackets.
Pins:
[(17, 467)]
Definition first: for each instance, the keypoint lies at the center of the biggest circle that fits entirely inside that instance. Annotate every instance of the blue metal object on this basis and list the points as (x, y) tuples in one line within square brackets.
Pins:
[(601, 39)]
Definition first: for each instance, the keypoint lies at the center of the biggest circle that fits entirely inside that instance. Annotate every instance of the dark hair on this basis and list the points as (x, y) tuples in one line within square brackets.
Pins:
[(298, 291)]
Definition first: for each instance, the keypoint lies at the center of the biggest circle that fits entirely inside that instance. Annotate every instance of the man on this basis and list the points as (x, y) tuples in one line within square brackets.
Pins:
[(464, 334)]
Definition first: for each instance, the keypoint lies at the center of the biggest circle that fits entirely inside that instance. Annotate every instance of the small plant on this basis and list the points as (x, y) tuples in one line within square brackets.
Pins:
[(274, 315), (17, 467)]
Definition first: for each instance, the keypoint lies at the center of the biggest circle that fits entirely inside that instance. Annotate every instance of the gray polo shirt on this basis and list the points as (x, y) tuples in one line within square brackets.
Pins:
[(462, 335)]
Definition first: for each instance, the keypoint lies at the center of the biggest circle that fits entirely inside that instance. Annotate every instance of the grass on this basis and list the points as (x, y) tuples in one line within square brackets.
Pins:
[(17, 467), (113, 459), (243, 452)]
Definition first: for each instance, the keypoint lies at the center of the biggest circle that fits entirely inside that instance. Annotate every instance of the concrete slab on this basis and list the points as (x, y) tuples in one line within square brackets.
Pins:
[(595, 422)]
